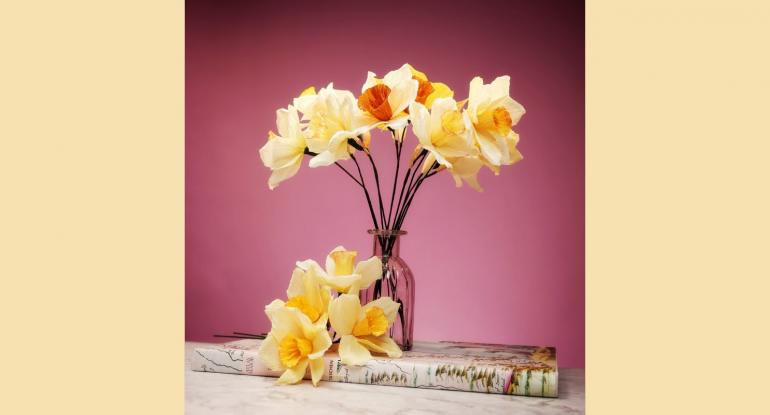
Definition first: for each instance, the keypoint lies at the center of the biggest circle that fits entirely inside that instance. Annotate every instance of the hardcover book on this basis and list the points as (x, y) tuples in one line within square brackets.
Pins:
[(473, 367)]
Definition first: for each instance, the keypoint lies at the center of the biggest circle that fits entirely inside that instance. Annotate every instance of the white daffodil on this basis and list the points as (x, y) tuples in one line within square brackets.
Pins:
[(307, 294), (385, 101), (363, 329), (341, 274), (444, 132), (333, 117), (493, 113), (293, 344), (283, 152)]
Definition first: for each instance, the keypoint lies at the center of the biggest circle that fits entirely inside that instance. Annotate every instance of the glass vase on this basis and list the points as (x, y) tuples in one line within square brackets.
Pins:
[(397, 282)]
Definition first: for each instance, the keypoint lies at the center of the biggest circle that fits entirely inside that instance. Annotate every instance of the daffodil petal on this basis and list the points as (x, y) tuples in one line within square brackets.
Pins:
[(330, 265), (296, 283), (500, 87), (316, 370), (281, 152), (392, 78), (341, 283), (294, 374), (282, 121), (489, 149), (388, 306), (381, 344), (403, 94), (268, 352), (370, 270), (440, 90), (344, 312), (420, 122), (284, 320), (283, 174), (323, 159), (321, 343), (352, 352), (515, 110)]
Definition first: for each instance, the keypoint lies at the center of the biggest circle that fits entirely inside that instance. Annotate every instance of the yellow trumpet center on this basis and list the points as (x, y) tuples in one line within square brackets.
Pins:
[(375, 101), (452, 122), (374, 322), (498, 120), (293, 349), (301, 303), (343, 262)]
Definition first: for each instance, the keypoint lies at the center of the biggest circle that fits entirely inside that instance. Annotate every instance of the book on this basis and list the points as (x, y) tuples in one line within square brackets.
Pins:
[(473, 367)]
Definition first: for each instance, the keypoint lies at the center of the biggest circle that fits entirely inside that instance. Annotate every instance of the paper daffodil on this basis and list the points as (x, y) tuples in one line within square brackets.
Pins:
[(363, 329), (342, 273), (493, 113), (306, 294), (385, 101), (283, 152), (293, 344), (444, 132), (333, 118)]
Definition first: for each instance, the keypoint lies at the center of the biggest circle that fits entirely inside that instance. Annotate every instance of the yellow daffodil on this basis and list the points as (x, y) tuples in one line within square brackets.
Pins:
[(428, 91), (293, 344), (306, 294), (363, 329), (283, 152), (385, 101), (444, 132), (493, 113), (341, 274), (333, 117)]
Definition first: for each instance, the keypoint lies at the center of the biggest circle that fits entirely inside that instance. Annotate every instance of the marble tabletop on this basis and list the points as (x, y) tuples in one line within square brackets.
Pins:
[(216, 393)]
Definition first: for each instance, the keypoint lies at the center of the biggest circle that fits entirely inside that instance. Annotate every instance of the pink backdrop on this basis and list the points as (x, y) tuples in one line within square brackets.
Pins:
[(503, 266)]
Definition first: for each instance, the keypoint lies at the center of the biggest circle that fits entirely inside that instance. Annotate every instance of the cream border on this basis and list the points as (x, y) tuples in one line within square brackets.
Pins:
[(677, 206), (92, 211)]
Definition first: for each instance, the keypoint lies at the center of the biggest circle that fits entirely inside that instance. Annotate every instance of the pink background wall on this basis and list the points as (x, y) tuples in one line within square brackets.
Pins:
[(503, 266)]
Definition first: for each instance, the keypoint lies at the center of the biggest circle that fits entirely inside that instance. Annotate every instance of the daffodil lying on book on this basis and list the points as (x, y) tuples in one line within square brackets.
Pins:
[(301, 326)]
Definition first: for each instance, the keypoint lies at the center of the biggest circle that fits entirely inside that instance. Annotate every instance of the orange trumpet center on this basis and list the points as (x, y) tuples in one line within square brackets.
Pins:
[(375, 101)]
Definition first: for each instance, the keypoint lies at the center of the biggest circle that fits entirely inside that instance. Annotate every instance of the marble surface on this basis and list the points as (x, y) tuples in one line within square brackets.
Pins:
[(216, 393)]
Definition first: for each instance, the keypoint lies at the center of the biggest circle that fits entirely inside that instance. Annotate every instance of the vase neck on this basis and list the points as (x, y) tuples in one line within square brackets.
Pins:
[(386, 244)]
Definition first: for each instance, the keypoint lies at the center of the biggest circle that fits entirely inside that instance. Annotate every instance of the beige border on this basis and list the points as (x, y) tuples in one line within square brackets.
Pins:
[(92, 222), (91, 219), (677, 206)]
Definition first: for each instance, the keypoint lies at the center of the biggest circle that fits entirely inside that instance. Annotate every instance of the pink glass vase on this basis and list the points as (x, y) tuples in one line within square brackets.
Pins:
[(397, 282)]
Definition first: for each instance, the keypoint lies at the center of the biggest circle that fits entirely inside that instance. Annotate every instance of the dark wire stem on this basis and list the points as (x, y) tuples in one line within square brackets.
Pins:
[(408, 178), (408, 203), (348, 173), (377, 182), (395, 179), (310, 153), (366, 193)]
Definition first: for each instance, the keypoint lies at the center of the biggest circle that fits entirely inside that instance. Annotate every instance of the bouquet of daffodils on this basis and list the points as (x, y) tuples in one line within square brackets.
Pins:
[(300, 332), (459, 137)]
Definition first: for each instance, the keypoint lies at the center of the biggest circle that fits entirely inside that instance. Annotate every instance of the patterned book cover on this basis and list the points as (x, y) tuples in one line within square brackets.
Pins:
[(474, 367)]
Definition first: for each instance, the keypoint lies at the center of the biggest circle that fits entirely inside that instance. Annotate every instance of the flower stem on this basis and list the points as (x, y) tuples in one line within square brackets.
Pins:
[(366, 193), (377, 182), (395, 179)]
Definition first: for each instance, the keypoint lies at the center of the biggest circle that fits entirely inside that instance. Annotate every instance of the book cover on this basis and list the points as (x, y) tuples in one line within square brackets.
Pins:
[(473, 367)]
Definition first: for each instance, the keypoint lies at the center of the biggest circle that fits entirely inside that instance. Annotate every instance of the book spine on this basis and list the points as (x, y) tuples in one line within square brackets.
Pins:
[(443, 376)]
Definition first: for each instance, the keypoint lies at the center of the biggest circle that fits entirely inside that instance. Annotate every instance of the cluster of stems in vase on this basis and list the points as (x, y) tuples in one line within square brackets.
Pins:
[(393, 220)]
